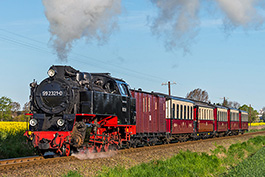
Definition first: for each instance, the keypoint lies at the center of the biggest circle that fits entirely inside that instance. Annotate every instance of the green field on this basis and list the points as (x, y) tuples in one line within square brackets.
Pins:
[(189, 163), (252, 166)]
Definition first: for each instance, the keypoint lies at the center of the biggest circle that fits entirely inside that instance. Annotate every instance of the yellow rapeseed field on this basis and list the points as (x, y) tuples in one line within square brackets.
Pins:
[(257, 124), (13, 127)]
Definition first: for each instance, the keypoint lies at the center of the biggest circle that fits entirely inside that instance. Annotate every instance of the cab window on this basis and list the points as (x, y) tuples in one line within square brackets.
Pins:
[(123, 89)]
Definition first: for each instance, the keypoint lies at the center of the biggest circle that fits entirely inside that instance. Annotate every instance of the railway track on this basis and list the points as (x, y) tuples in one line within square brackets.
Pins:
[(146, 148), (16, 163), (25, 162)]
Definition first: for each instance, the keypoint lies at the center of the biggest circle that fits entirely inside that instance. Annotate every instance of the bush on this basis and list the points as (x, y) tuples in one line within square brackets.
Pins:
[(14, 145)]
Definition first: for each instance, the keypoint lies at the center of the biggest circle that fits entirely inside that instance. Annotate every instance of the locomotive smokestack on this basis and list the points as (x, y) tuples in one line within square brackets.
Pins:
[(75, 19)]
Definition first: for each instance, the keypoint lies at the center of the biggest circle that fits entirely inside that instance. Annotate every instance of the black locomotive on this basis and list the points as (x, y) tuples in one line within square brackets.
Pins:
[(58, 100)]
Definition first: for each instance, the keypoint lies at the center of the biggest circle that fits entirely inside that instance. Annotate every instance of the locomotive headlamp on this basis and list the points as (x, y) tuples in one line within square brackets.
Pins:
[(33, 122), (51, 72), (60, 122)]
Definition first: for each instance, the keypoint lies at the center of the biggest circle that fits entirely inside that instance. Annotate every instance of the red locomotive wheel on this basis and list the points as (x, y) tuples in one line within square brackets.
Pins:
[(106, 147), (67, 150), (98, 148)]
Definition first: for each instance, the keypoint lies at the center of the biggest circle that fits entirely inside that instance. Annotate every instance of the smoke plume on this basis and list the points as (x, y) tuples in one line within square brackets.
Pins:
[(241, 13), (74, 19), (178, 21), (85, 154)]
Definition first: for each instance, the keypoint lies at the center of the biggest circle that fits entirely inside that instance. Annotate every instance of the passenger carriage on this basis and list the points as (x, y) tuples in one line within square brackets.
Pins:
[(233, 120), (180, 118), (243, 117), (220, 120), (204, 118)]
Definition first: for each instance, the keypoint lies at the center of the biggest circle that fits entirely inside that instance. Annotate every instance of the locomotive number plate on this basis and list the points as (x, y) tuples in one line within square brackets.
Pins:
[(52, 93)]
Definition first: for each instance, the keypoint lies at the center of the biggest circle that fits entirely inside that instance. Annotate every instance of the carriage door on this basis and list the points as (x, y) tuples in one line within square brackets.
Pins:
[(125, 102)]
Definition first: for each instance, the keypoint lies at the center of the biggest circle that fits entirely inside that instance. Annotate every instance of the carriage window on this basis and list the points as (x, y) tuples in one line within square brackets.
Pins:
[(149, 104), (185, 112), (177, 111), (191, 108), (188, 114), (143, 105), (173, 110), (181, 111)]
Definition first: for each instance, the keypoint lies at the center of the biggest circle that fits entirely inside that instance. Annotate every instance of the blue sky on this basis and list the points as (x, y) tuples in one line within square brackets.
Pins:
[(223, 65)]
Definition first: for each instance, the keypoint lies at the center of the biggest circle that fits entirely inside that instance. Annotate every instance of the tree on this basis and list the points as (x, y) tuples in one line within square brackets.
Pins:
[(262, 111), (15, 106), (253, 114), (234, 104), (25, 109), (5, 108), (198, 94), (231, 104)]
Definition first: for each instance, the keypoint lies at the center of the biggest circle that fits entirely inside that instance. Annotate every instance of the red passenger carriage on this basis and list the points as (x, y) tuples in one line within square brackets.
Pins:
[(220, 120), (233, 121), (204, 117), (243, 117), (180, 118)]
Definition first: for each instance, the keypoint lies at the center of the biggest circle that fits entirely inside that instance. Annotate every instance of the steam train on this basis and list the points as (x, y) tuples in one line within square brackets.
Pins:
[(73, 111)]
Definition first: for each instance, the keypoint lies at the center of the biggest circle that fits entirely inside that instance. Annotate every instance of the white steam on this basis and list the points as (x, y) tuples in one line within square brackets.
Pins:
[(85, 154), (178, 21), (242, 13), (74, 19)]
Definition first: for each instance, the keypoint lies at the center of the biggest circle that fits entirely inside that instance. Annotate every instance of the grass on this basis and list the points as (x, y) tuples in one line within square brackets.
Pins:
[(184, 164), (14, 145), (255, 130), (193, 164), (72, 174), (252, 166)]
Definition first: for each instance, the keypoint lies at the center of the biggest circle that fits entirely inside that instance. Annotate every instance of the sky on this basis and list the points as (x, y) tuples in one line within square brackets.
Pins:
[(206, 51)]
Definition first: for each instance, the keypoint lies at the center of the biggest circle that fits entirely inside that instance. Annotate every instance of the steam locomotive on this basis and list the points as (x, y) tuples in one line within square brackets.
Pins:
[(73, 111)]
